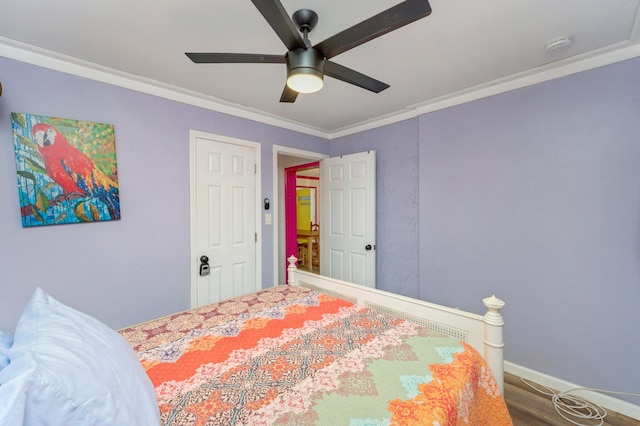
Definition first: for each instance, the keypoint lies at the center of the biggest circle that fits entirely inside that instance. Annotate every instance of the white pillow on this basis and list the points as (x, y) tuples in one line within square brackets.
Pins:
[(6, 340), (67, 368)]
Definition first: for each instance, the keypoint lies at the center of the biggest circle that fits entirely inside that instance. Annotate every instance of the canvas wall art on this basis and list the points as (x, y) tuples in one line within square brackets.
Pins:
[(67, 170)]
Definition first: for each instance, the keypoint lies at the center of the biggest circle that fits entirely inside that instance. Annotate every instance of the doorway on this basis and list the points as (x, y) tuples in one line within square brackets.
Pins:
[(302, 214), (347, 209), (284, 157)]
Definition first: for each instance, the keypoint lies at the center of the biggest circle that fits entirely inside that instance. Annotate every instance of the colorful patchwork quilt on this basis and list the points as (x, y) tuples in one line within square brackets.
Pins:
[(289, 355)]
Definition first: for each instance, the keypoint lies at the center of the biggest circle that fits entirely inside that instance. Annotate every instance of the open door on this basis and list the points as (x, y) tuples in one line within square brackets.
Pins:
[(348, 218)]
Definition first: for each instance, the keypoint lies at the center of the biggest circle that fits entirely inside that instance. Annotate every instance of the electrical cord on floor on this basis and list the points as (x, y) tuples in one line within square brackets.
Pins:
[(574, 408)]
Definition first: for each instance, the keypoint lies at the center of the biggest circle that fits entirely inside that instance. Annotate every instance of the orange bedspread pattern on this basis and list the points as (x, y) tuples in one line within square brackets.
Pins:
[(289, 355)]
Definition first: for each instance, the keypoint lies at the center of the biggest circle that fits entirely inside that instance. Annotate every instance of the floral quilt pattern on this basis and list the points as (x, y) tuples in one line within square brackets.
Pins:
[(289, 355)]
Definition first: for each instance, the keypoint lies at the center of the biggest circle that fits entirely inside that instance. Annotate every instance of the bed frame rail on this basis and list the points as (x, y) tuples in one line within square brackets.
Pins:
[(484, 333)]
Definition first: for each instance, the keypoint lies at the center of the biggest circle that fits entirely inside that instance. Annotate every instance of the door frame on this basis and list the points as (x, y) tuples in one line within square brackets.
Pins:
[(290, 204), (278, 201), (193, 255)]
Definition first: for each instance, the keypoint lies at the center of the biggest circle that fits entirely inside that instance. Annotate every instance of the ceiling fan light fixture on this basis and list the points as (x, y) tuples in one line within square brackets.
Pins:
[(305, 80), (305, 70)]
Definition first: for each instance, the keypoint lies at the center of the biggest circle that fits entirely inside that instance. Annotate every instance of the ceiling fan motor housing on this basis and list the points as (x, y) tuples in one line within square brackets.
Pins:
[(305, 61)]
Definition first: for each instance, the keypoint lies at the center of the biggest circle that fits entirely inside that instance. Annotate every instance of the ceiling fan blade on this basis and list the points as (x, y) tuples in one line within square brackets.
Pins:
[(288, 95), (391, 19), (278, 18), (236, 58), (348, 75)]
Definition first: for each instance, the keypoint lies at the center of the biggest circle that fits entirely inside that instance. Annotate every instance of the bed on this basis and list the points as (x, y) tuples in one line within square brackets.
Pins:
[(321, 351), (318, 351)]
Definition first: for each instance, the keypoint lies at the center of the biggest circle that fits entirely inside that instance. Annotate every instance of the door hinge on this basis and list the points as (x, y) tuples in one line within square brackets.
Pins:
[(256, 236), (255, 168)]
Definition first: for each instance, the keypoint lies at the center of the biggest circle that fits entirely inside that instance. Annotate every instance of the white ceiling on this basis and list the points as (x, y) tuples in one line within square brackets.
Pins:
[(464, 49)]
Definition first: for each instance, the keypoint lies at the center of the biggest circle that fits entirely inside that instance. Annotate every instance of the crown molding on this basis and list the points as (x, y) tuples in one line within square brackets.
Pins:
[(51, 60), (47, 59), (573, 65)]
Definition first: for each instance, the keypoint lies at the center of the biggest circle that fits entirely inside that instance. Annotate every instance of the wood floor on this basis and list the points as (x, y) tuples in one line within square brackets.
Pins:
[(529, 408)]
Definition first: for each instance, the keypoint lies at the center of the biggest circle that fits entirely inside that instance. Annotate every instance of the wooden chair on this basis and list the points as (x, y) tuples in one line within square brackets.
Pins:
[(303, 253), (315, 247)]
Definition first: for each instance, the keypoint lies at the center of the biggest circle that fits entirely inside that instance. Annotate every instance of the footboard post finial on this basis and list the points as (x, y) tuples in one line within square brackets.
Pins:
[(291, 269), (494, 338)]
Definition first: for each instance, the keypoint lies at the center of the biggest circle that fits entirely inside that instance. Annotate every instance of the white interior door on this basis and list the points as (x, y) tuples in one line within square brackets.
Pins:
[(348, 218), (225, 220)]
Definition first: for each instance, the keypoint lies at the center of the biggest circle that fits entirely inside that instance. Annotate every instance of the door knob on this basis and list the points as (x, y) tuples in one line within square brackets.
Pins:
[(204, 266), (368, 247)]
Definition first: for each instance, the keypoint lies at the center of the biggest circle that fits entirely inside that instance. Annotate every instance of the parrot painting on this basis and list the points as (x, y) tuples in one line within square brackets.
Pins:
[(76, 174)]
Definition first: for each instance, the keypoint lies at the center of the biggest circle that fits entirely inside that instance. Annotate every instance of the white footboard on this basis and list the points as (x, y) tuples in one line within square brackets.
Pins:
[(484, 333)]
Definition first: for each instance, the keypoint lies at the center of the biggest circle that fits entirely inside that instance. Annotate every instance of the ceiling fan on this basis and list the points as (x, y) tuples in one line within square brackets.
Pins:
[(308, 64)]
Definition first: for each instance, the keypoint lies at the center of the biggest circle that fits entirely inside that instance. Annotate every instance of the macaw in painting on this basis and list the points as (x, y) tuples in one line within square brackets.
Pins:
[(74, 171)]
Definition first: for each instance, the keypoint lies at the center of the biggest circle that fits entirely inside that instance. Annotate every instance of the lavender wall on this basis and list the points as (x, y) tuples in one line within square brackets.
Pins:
[(137, 268), (397, 227), (535, 195)]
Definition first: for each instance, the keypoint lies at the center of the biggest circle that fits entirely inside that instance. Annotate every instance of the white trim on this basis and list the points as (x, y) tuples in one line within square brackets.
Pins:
[(606, 401), (294, 152), (573, 65), (193, 255), (48, 59), (541, 74), (44, 58), (380, 121)]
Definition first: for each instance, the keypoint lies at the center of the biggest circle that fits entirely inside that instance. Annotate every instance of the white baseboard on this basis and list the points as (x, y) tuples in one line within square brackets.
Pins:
[(603, 400)]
